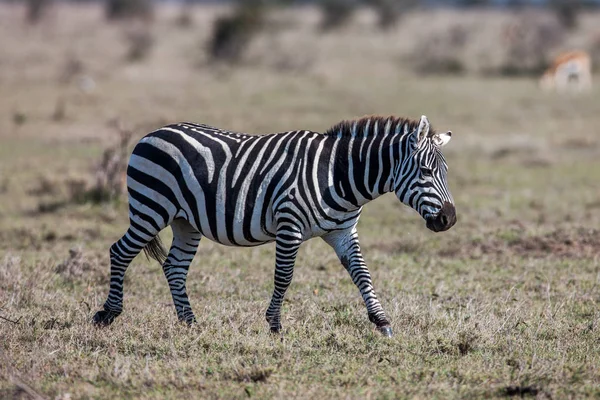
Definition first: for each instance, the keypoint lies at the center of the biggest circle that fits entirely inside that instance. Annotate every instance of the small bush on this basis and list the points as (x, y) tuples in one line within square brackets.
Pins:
[(390, 11), (72, 68), (75, 266), (36, 9), (120, 9), (140, 42), (185, 19), (441, 53), (109, 181), (529, 46), (233, 33), (567, 12), (110, 174), (60, 110), (336, 13)]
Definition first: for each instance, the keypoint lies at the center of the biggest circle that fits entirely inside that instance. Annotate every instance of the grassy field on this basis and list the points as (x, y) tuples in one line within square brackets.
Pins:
[(506, 303)]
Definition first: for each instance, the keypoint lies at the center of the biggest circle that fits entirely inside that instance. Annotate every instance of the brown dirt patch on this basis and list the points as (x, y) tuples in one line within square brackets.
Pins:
[(578, 244), (396, 247)]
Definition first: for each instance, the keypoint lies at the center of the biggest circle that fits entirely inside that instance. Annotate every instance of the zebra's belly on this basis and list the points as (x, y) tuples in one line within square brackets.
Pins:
[(256, 240), (242, 243), (228, 226)]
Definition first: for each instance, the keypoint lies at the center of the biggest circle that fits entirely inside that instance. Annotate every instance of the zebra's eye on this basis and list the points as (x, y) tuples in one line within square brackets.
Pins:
[(426, 172)]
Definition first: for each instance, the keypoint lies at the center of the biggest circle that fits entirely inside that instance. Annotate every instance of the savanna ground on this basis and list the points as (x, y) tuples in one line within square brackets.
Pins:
[(506, 303)]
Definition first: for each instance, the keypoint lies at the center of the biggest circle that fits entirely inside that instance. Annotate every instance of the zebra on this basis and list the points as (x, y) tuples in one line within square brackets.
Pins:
[(239, 189)]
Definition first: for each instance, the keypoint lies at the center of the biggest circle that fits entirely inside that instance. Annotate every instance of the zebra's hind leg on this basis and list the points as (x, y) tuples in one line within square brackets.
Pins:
[(122, 252), (287, 243), (183, 249)]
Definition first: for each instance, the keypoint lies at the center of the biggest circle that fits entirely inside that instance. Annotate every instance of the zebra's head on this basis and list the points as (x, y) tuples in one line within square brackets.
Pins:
[(420, 176)]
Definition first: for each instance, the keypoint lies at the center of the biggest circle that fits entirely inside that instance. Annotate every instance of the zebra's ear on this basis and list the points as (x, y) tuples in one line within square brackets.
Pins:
[(422, 130), (442, 139)]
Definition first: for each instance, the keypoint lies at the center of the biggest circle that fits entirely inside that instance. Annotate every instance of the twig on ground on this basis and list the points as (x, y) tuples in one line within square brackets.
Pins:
[(10, 320)]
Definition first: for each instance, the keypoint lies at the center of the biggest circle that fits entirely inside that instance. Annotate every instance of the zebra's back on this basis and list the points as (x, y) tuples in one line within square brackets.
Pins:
[(226, 184)]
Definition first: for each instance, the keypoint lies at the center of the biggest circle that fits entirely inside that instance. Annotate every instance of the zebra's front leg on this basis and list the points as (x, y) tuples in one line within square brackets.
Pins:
[(287, 244), (346, 245)]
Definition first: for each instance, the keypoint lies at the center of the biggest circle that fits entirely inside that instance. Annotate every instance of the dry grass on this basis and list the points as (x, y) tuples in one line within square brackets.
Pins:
[(505, 304)]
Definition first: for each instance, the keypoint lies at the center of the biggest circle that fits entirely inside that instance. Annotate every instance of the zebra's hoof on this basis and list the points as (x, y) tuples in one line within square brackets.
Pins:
[(276, 330), (190, 321), (385, 331), (104, 318)]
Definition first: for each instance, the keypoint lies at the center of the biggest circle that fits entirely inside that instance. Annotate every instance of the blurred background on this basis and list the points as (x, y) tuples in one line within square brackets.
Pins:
[(81, 77), (507, 297)]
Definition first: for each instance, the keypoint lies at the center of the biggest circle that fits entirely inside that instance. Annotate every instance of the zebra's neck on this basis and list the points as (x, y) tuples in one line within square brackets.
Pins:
[(365, 154)]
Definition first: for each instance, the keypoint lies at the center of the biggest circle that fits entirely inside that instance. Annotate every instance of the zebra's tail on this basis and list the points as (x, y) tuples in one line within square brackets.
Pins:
[(155, 250)]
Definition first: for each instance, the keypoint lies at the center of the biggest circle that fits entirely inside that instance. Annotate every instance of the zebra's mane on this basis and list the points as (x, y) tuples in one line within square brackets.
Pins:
[(348, 128)]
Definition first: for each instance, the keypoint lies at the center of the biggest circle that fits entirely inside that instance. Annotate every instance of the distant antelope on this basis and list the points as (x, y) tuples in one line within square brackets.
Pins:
[(568, 68)]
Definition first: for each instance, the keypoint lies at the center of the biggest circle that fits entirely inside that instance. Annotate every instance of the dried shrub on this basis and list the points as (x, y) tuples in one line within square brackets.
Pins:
[(110, 174), (521, 391), (75, 71), (523, 46), (125, 9), (140, 41), (462, 344), (441, 52), (185, 19), (567, 12), (20, 239), (390, 11), (466, 342), (46, 185), (60, 110), (254, 374), (232, 33), (19, 118), (107, 183), (528, 44), (336, 13), (36, 9), (72, 67), (75, 266)]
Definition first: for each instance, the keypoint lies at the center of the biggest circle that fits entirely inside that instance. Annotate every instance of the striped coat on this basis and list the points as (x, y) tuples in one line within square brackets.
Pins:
[(248, 190)]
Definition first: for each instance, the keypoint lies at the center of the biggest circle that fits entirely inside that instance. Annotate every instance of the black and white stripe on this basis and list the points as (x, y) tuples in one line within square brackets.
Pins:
[(247, 190)]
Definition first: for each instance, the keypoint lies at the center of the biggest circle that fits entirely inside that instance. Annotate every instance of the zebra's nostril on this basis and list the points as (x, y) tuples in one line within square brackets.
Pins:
[(444, 220)]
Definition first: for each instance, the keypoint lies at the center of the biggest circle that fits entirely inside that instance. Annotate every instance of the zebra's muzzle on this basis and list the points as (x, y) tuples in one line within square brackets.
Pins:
[(444, 219)]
